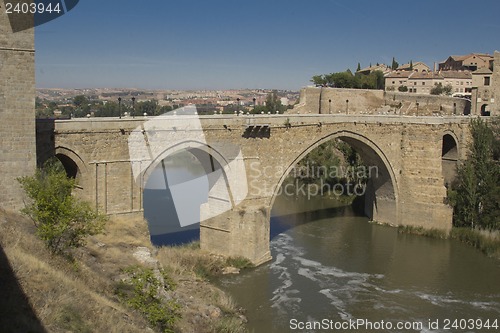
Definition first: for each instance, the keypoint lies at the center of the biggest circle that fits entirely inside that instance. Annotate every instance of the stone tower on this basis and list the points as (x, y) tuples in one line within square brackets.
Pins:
[(17, 110), (496, 84)]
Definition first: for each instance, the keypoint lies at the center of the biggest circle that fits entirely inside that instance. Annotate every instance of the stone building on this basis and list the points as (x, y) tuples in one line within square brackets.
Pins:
[(414, 67), (422, 82), (17, 110), (483, 93), (470, 62)]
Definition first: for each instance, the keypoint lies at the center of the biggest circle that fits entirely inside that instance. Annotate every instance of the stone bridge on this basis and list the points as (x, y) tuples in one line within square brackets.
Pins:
[(414, 158)]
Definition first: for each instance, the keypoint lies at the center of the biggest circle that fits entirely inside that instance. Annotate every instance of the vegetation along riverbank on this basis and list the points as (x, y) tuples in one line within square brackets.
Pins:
[(475, 193)]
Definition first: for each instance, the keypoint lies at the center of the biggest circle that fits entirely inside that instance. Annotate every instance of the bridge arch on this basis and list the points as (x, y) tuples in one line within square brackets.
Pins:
[(215, 195), (72, 162), (449, 156), (381, 201)]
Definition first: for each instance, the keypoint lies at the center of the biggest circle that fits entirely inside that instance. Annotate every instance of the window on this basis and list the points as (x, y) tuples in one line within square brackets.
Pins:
[(462, 83), (393, 82), (423, 83), (414, 83), (486, 80)]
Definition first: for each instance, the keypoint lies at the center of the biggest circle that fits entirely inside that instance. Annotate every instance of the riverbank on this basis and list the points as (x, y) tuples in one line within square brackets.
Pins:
[(486, 241), (103, 289)]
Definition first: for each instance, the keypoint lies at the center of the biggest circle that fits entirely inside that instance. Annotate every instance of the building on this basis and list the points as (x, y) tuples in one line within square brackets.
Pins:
[(368, 70), (470, 62), (460, 82), (496, 87), (422, 82), (414, 67), (484, 89), (395, 79)]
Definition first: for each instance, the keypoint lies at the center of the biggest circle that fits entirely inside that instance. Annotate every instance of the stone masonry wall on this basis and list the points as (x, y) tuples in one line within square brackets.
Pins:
[(496, 84), (17, 111), (314, 100)]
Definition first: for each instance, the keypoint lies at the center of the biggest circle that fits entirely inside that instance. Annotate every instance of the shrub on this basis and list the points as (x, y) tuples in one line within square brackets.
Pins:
[(141, 290), (61, 220)]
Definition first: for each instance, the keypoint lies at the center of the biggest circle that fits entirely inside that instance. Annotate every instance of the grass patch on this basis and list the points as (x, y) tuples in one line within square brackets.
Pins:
[(239, 262), (421, 231), (486, 241), (144, 290), (71, 320), (189, 258), (228, 325)]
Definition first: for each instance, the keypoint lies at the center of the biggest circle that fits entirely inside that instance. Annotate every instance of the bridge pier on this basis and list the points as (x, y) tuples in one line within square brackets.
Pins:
[(240, 232)]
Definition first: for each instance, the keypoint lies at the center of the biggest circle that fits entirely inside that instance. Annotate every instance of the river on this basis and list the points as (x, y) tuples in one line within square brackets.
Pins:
[(334, 267)]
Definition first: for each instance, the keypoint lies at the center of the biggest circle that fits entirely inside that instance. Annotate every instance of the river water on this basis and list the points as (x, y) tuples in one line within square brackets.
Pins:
[(329, 264)]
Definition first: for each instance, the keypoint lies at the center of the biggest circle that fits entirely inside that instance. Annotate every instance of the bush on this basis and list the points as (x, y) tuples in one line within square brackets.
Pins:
[(475, 195), (141, 290), (61, 220)]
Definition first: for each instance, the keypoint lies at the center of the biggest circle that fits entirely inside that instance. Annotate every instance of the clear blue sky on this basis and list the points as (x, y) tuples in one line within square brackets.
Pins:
[(222, 44)]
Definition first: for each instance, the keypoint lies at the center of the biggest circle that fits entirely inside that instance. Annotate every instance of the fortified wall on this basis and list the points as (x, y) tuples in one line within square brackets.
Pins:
[(17, 110), (321, 100)]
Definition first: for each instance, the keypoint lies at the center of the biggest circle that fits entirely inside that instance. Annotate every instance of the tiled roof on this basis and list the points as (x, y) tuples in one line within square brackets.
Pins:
[(396, 74), (482, 71), (425, 75), (407, 66), (456, 74)]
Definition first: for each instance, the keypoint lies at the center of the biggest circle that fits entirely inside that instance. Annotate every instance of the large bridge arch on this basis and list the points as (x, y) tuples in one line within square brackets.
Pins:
[(381, 202), (222, 193)]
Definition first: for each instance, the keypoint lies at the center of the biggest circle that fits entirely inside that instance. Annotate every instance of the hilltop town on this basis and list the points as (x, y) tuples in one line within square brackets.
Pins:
[(469, 76)]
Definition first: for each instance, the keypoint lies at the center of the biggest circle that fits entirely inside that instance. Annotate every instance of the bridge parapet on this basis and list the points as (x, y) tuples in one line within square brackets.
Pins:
[(321, 100)]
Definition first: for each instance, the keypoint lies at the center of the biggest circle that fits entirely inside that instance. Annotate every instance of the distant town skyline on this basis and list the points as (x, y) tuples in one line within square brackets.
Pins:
[(225, 44)]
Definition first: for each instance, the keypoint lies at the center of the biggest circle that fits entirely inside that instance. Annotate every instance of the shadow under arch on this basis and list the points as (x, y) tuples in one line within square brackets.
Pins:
[(382, 193), (214, 166), (72, 162), (449, 157)]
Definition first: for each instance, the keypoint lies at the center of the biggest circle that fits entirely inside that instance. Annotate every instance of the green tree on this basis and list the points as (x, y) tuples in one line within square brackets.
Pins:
[(80, 100), (403, 88), (411, 65), (437, 89), (151, 107), (319, 80), (395, 64), (61, 220), (273, 103), (358, 68), (475, 196)]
